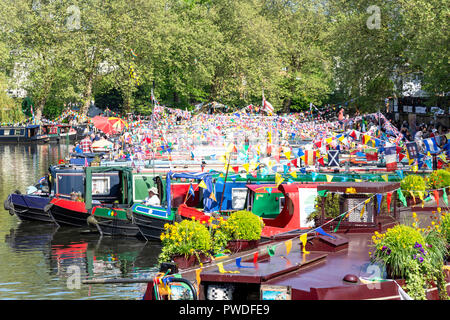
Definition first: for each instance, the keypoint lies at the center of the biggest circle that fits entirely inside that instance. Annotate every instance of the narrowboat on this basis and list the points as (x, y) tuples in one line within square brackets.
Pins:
[(58, 132), (21, 134)]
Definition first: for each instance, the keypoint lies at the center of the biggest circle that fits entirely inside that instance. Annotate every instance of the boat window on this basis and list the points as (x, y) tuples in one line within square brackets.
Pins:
[(101, 185), (6, 133), (18, 132), (238, 198)]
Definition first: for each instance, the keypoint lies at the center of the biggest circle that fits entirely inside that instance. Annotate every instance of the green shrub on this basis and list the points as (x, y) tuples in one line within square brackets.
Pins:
[(243, 225), (438, 179), (413, 183), (185, 238)]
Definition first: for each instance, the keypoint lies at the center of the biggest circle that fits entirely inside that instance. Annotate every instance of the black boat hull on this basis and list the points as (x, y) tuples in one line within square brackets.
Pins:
[(28, 208), (118, 228), (66, 217), (150, 228)]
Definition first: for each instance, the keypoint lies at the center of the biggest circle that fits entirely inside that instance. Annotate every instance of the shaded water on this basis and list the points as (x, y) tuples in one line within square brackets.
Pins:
[(40, 261)]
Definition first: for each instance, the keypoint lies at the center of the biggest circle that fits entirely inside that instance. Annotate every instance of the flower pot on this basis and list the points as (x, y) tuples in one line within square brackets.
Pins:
[(241, 245), (184, 262)]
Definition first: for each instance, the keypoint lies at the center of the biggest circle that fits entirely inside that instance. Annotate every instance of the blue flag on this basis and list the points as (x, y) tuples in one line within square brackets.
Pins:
[(320, 231), (379, 198), (314, 176)]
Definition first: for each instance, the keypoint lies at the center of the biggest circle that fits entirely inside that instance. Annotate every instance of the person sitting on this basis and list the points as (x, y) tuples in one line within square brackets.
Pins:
[(152, 199)]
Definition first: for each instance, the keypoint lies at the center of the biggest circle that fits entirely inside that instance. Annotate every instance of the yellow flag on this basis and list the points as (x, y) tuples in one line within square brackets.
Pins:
[(414, 168), (362, 211), (358, 180), (246, 166), (303, 239), (328, 140), (366, 139), (329, 177), (294, 174), (197, 275), (385, 177), (287, 154), (202, 184), (222, 270), (278, 179), (288, 246), (213, 197)]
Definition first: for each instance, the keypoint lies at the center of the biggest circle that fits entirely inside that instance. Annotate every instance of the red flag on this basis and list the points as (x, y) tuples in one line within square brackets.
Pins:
[(388, 200), (236, 169), (436, 196), (321, 161), (294, 162)]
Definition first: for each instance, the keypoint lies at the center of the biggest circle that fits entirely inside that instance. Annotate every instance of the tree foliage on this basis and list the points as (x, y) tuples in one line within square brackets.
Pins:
[(75, 51)]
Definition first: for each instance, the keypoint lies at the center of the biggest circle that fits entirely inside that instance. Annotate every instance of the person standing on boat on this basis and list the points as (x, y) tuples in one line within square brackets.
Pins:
[(152, 199), (86, 144)]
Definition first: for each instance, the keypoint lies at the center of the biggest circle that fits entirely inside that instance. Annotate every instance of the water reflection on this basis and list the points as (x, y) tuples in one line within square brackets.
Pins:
[(66, 249), (36, 258)]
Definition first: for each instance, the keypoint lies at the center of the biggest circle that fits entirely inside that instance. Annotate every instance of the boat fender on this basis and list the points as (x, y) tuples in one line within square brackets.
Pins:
[(129, 214), (91, 220), (48, 207), (6, 204)]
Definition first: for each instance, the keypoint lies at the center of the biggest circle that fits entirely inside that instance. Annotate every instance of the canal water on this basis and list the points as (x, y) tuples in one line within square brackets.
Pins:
[(41, 262)]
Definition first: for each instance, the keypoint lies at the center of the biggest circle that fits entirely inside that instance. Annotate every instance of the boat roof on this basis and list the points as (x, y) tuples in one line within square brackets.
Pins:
[(262, 188)]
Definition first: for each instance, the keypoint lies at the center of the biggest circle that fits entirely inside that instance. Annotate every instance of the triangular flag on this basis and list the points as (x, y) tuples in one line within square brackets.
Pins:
[(379, 199), (385, 177), (329, 177), (303, 239), (293, 174), (322, 232), (287, 154), (202, 184), (322, 193), (362, 211), (401, 197), (222, 270), (269, 190), (271, 250), (278, 179), (436, 196), (246, 166), (213, 197), (288, 244), (388, 200), (444, 197), (239, 265), (314, 175), (197, 275), (235, 169)]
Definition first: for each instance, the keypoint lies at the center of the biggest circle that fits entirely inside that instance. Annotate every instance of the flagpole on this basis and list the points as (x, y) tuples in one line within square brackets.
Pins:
[(224, 183)]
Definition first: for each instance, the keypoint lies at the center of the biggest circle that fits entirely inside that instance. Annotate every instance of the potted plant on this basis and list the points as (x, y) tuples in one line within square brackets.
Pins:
[(412, 185), (95, 162), (414, 256), (243, 229), (438, 179), (186, 243)]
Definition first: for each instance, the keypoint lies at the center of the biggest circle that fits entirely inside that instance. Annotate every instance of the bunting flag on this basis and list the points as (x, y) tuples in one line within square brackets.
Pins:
[(202, 184), (255, 257), (213, 197), (322, 232), (222, 270), (271, 250), (269, 190), (400, 173), (246, 166), (239, 265), (278, 179), (385, 177), (287, 154), (329, 177), (314, 175), (444, 197), (293, 174), (288, 245), (401, 197), (333, 158), (197, 276), (436, 196), (235, 169), (303, 240), (322, 193), (362, 211), (379, 199), (412, 196)]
